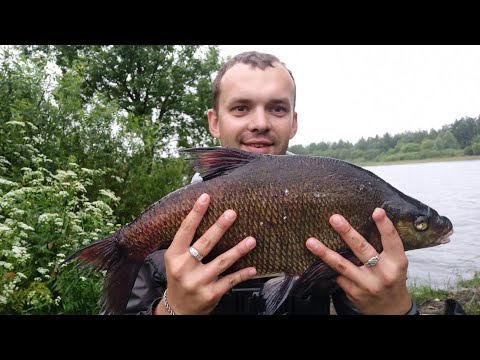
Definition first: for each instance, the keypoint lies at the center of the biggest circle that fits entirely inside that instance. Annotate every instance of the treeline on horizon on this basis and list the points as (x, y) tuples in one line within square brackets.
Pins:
[(460, 138), (88, 140)]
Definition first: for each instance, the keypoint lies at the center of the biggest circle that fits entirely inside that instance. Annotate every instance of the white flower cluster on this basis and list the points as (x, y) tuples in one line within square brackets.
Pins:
[(45, 217), (87, 171), (18, 252), (35, 298), (42, 271), (11, 286), (4, 229), (6, 265), (62, 194), (7, 182), (63, 175), (109, 194), (24, 226), (17, 212)]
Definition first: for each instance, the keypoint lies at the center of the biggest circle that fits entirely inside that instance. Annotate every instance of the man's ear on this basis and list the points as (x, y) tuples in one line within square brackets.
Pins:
[(293, 130), (213, 123)]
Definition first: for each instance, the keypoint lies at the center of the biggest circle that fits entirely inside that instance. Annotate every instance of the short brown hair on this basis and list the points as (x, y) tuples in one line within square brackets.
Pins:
[(253, 58)]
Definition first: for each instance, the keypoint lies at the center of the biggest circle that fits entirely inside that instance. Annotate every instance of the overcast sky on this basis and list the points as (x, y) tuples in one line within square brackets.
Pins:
[(349, 91)]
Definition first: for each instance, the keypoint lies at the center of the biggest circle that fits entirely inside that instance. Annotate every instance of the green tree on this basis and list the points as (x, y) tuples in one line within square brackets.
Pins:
[(298, 149), (465, 130), (361, 144), (409, 147), (427, 144), (476, 145), (164, 90), (60, 125), (388, 142), (449, 140), (439, 143), (21, 105), (138, 105)]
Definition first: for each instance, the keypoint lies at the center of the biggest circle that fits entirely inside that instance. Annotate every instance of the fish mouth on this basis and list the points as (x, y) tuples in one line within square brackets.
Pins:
[(444, 239)]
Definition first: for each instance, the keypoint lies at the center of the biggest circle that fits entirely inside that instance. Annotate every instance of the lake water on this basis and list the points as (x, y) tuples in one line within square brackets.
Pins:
[(453, 189)]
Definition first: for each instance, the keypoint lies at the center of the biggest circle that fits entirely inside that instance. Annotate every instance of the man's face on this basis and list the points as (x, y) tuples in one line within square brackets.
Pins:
[(255, 109)]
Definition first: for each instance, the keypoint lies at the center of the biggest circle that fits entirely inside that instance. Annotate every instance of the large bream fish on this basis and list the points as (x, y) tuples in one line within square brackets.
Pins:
[(281, 201)]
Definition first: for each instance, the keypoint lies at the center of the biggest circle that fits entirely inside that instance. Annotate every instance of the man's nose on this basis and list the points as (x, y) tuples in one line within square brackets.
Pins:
[(259, 121)]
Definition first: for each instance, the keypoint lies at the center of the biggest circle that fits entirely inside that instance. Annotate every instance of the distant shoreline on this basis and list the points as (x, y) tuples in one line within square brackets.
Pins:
[(399, 162)]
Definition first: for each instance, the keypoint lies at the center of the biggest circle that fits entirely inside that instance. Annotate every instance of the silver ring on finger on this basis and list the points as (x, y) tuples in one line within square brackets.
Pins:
[(373, 261), (195, 253)]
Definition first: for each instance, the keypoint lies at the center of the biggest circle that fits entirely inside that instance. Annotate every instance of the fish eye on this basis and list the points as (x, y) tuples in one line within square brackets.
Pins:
[(421, 223)]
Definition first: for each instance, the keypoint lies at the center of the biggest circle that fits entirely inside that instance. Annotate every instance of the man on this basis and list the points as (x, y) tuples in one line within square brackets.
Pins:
[(254, 110)]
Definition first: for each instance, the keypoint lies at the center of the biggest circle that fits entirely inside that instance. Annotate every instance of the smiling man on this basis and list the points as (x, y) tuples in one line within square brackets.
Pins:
[(254, 110), (254, 107)]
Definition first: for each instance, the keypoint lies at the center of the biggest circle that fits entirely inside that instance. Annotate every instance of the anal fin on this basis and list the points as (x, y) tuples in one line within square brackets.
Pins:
[(275, 291)]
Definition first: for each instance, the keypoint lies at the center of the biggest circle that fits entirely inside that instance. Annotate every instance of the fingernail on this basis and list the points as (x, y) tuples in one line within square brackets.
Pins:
[(229, 214), (336, 219), (378, 211), (252, 272), (203, 198), (311, 244), (250, 242)]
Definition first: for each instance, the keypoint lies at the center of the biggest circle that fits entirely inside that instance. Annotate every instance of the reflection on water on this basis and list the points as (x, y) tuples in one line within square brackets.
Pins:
[(453, 189)]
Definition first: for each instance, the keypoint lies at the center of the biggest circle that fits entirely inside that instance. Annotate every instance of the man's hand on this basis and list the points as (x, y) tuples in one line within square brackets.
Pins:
[(194, 287), (378, 289)]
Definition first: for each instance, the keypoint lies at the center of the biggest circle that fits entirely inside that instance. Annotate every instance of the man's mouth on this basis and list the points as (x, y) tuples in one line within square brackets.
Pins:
[(259, 147)]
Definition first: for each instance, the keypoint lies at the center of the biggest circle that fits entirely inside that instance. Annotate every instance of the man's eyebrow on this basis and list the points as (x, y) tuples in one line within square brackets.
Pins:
[(280, 100), (271, 101), (240, 100)]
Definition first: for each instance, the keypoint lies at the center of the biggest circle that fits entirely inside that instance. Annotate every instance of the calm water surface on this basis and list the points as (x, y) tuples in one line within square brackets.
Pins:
[(453, 189)]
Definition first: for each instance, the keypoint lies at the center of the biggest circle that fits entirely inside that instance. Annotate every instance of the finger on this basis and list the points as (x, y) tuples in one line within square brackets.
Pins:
[(360, 247), (211, 237), (336, 261), (391, 241), (184, 236), (229, 281), (223, 261), (348, 286)]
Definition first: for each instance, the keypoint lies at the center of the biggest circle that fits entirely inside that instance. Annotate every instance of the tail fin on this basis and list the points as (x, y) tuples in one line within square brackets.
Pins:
[(108, 254)]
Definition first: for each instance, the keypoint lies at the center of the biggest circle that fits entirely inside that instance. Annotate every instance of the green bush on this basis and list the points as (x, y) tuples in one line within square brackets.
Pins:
[(45, 217)]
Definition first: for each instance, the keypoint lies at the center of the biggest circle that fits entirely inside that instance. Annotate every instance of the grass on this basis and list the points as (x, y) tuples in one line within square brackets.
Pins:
[(430, 301)]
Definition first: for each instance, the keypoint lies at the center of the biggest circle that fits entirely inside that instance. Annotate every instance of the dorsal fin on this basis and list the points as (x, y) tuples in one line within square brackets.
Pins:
[(211, 162)]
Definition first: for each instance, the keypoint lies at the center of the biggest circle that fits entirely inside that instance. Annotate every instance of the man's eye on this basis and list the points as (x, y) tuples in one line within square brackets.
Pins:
[(240, 108), (279, 109)]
